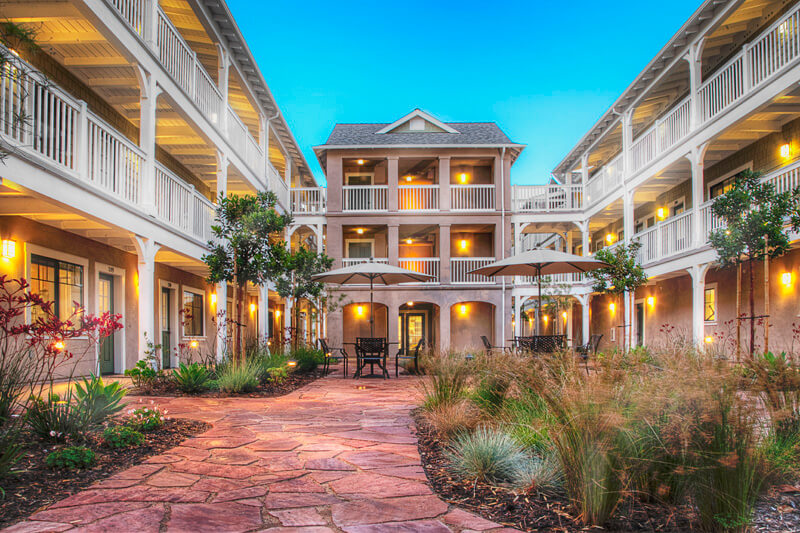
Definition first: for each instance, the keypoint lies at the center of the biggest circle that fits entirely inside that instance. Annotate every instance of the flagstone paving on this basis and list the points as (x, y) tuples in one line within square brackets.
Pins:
[(337, 455)]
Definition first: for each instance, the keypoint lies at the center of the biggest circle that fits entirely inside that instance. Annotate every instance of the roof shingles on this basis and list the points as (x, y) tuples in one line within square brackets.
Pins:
[(477, 133)]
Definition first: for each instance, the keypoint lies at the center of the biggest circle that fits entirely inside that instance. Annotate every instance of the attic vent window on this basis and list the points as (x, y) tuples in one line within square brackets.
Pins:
[(417, 124)]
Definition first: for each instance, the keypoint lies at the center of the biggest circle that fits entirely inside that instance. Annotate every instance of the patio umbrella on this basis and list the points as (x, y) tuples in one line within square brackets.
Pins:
[(540, 263), (370, 272)]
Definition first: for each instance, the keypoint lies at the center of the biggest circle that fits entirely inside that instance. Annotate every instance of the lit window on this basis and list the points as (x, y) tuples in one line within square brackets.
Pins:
[(59, 282), (193, 314), (710, 313)]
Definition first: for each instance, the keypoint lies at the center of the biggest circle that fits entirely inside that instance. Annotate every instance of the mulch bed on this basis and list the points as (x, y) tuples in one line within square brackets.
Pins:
[(293, 382), (34, 486), (778, 511)]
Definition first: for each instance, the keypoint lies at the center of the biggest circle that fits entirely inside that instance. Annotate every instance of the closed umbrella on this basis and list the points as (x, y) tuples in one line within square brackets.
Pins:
[(541, 262), (372, 273)]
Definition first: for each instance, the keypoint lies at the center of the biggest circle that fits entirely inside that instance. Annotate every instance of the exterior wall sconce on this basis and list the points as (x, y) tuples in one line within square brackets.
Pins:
[(277, 313), (408, 178), (463, 244), (661, 213), (360, 310), (545, 318), (651, 301), (786, 279), (58, 346), (360, 231), (462, 177), (612, 307), (410, 304), (409, 241), (609, 238), (9, 249), (252, 308), (786, 151), (462, 309), (213, 298), (360, 161), (709, 339), (564, 316), (194, 344)]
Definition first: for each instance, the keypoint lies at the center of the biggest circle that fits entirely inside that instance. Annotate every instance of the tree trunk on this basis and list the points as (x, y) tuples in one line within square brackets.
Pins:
[(752, 309), (738, 311), (766, 303), (296, 337)]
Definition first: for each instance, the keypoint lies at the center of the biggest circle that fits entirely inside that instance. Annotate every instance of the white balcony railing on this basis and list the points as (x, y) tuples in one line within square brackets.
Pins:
[(460, 268), (544, 198), (309, 200), (568, 279), (364, 198), (666, 239), (351, 261), (277, 184), (472, 197), (60, 131), (418, 197), (423, 265), (606, 180), (246, 145)]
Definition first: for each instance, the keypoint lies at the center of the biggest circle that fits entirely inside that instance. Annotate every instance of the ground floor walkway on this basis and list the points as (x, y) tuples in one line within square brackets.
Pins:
[(338, 455)]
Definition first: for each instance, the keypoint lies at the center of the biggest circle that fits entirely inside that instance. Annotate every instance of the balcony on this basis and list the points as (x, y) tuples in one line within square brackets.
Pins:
[(546, 198), (666, 239), (61, 132), (570, 278), (365, 198), (472, 197), (309, 200), (276, 184), (460, 268), (423, 265), (418, 198)]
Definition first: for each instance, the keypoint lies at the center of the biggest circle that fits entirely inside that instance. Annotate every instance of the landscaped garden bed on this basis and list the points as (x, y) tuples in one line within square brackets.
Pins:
[(672, 441), (32, 484)]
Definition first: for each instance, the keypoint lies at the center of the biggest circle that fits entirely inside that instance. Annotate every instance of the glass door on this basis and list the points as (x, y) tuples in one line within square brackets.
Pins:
[(105, 304), (166, 326), (640, 324), (412, 330)]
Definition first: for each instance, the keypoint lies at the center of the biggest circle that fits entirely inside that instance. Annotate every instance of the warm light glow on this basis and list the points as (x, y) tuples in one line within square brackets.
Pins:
[(463, 244), (612, 307), (277, 313), (661, 213), (609, 238), (252, 308), (360, 231), (786, 151), (462, 177), (194, 344), (786, 279), (9, 249), (410, 304), (462, 309), (291, 363), (360, 161), (58, 345), (360, 310), (651, 301), (213, 298), (545, 318), (709, 339), (408, 178), (564, 315), (409, 241)]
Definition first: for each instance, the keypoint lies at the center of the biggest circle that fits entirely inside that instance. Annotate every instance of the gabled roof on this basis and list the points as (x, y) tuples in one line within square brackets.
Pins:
[(394, 135)]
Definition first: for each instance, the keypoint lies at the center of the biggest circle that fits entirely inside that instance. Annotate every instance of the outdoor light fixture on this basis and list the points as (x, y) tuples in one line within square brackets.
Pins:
[(360, 161), (463, 244), (408, 178), (651, 301), (9, 249), (58, 345), (545, 318), (291, 363), (564, 315), (252, 308), (360, 231), (609, 238), (194, 344), (213, 298), (277, 313), (409, 241), (661, 213), (612, 307), (462, 177), (786, 279), (462, 309), (709, 339), (360, 310), (786, 151), (410, 304)]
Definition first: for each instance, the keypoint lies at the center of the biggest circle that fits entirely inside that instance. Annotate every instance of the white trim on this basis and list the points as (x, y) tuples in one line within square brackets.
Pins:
[(414, 114), (200, 292), (746, 166), (711, 286), (119, 276), (35, 249)]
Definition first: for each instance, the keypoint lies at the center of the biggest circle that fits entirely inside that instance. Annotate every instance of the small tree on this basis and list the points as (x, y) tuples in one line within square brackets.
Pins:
[(247, 246), (754, 216), (623, 274), (555, 297), (294, 280)]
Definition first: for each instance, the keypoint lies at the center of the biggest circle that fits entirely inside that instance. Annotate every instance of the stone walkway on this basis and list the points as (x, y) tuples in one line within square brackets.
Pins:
[(335, 456)]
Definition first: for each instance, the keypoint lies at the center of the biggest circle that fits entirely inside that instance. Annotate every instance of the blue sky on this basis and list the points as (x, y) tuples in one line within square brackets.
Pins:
[(544, 71)]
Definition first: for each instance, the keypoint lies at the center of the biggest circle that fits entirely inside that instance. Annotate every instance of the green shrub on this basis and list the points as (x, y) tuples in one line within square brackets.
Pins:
[(540, 473), (212, 384), (307, 358), (446, 380), (528, 420), (487, 455), (236, 377), (99, 401), (71, 458), (142, 375), (490, 394), (277, 375), (56, 419), (191, 378), (122, 437), (11, 449), (146, 419)]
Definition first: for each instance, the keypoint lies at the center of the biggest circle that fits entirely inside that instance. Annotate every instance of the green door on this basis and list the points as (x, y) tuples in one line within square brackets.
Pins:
[(105, 296), (166, 327)]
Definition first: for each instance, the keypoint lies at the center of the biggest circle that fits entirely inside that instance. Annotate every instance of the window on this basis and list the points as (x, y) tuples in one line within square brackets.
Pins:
[(710, 304), (193, 314), (59, 282), (725, 184), (359, 249)]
